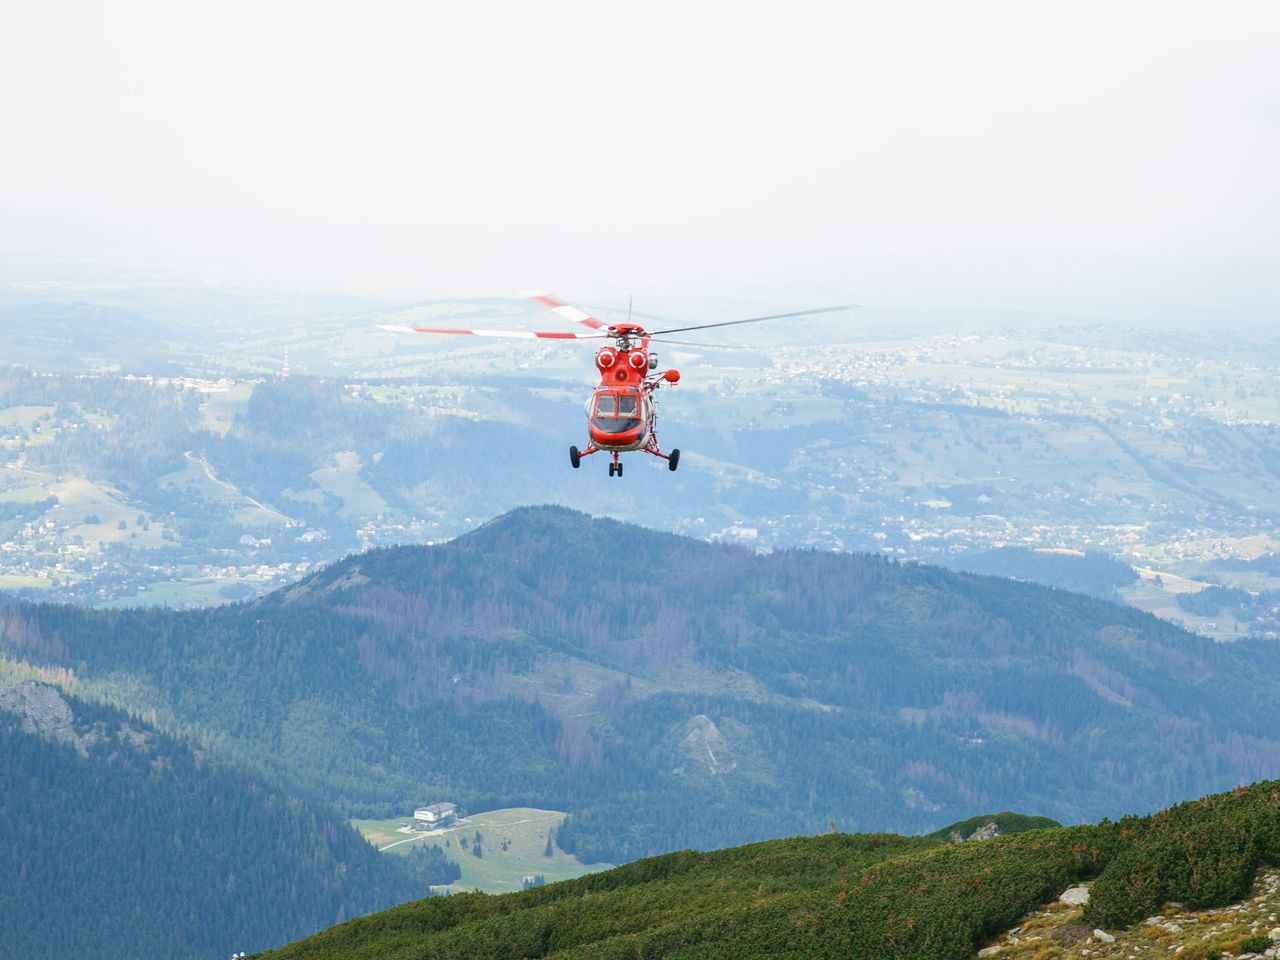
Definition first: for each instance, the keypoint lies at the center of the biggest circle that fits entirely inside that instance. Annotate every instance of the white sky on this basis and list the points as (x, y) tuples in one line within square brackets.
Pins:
[(693, 147)]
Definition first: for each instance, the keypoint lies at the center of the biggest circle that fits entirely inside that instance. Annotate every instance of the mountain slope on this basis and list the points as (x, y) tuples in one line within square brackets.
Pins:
[(670, 692), (116, 840), (870, 896)]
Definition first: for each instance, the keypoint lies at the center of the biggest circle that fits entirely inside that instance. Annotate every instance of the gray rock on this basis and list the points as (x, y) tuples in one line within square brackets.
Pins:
[(41, 707), (46, 713), (1075, 896), (1104, 936)]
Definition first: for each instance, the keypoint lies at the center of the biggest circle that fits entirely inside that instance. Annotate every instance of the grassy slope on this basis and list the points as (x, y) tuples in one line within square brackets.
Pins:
[(839, 895), (498, 870)]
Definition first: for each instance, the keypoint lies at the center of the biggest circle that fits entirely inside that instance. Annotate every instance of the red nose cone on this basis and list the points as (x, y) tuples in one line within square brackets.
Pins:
[(671, 376)]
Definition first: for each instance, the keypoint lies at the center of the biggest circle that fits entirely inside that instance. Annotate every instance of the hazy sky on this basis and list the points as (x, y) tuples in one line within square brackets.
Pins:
[(690, 147)]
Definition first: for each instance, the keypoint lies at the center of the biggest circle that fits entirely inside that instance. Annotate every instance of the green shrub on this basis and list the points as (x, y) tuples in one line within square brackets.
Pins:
[(1201, 854)]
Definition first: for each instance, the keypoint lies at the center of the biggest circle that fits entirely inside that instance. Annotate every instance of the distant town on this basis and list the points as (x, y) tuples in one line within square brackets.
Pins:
[(929, 448)]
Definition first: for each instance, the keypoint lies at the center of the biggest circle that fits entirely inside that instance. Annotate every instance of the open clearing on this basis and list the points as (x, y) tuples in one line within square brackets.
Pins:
[(524, 830), (221, 409), (23, 495), (1162, 601), (13, 581), (95, 511), (200, 592), (343, 481)]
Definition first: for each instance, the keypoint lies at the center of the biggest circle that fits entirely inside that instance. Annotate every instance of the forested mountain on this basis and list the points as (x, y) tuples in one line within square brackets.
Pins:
[(669, 692), (876, 897), (119, 841)]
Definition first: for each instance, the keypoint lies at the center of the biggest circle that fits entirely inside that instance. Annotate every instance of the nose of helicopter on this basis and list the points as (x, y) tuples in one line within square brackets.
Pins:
[(628, 439)]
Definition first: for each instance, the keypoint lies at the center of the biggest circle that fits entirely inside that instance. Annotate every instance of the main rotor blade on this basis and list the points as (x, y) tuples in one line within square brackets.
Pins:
[(566, 310), (517, 334), (773, 316), (689, 343)]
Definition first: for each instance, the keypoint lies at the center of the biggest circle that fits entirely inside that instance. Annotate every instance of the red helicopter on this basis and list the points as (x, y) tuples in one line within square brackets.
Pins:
[(620, 412)]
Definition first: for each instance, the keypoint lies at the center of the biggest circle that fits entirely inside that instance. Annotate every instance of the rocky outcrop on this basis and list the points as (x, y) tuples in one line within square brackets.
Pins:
[(44, 711), (1057, 931), (985, 832), (703, 745)]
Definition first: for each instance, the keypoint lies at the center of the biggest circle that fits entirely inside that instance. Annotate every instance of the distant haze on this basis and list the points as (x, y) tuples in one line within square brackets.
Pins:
[(986, 152)]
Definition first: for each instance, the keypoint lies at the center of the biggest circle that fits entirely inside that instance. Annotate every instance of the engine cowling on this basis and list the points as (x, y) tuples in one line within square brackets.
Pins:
[(606, 358), (639, 359)]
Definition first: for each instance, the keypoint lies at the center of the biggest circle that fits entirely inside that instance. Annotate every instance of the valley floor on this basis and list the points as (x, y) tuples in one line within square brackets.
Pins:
[(513, 844)]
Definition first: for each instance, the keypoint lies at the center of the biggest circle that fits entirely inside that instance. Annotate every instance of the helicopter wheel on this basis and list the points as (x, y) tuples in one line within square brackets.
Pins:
[(619, 469), (612, 467), (575, 457), (673, 461)]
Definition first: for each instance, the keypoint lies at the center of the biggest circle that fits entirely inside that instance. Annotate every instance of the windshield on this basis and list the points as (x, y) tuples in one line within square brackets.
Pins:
[(616, 413)]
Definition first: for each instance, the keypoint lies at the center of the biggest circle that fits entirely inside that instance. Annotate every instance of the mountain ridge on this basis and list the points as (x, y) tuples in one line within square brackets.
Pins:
[(670, 692)]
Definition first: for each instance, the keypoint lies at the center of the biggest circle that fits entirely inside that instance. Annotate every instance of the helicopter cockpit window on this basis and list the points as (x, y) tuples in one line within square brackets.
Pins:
[(616, 413)]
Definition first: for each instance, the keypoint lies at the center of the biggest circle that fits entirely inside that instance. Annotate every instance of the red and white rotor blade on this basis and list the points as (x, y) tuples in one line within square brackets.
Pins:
[(516, 334), (566, 310)]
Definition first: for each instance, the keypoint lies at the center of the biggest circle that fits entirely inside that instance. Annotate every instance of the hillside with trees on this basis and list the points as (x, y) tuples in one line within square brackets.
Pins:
[(119, 841), (673, 693)]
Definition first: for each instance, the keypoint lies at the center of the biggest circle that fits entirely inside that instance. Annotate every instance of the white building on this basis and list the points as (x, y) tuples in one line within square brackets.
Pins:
[(436, 815)]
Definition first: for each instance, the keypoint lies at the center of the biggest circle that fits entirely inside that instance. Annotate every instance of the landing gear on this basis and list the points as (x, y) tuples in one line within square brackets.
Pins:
[(576, 455), (615, 468), (651, 447)]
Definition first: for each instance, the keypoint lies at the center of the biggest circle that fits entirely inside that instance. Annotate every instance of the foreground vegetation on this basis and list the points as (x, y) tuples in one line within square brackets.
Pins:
[(840, 895), (1058, 931)]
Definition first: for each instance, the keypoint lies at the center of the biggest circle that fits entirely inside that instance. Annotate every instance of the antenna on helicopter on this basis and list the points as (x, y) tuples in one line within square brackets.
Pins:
[(630, 298)]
